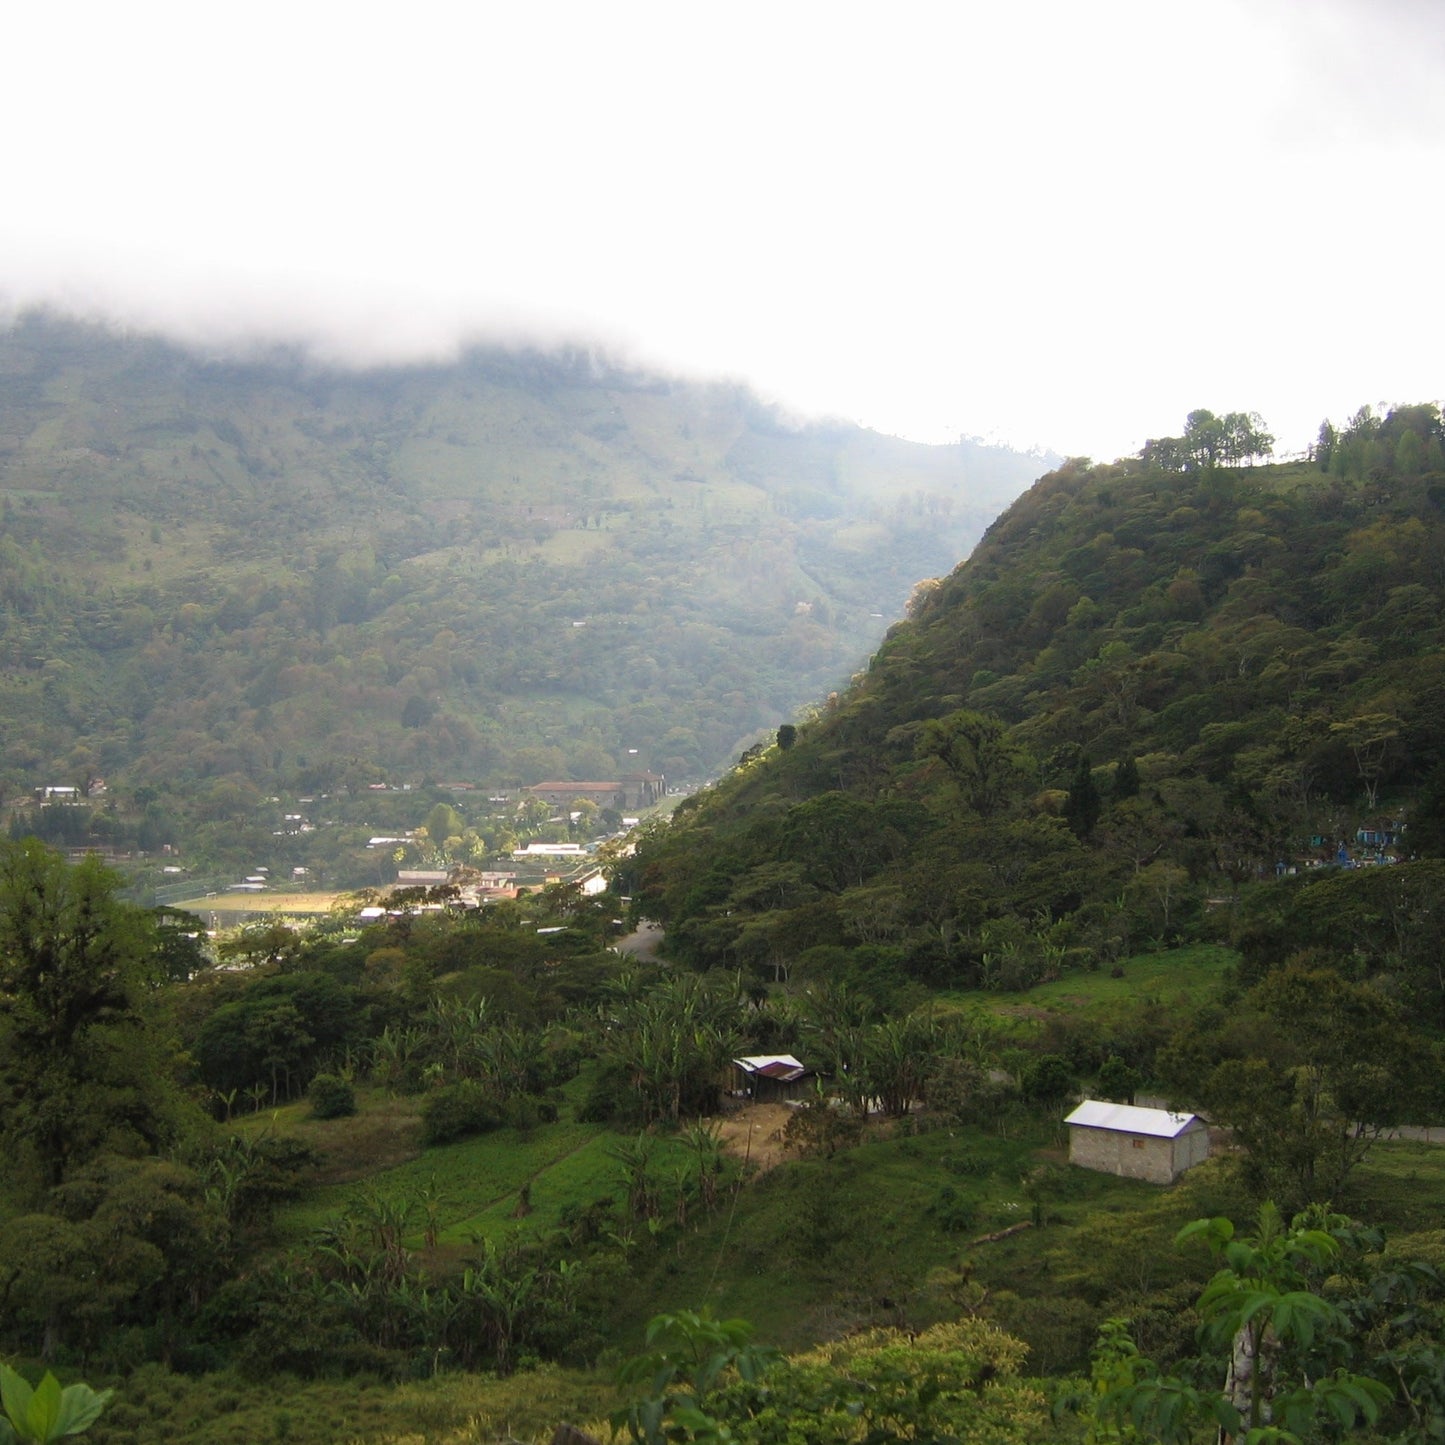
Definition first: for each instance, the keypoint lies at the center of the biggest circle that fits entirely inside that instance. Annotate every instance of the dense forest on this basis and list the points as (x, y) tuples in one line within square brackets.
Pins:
[(1144, 800), (224, 580), (1146, 689)]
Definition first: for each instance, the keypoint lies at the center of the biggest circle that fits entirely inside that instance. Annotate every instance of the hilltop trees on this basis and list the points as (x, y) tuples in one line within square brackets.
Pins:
[(1407, 441), (1233, 440)]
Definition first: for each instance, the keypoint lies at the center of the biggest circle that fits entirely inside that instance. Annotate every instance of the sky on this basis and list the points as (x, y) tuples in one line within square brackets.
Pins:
[(1045, 223)]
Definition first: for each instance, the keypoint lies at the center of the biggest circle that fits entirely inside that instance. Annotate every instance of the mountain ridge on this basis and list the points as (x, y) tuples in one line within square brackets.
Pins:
[(1145, 689), (251, 569)]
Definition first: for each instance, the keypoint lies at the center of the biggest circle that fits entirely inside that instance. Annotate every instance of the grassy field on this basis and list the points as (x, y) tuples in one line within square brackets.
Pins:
[(1401, 1187), (473, 1186), (1179, 976), (468, 1190), (1171, 981)]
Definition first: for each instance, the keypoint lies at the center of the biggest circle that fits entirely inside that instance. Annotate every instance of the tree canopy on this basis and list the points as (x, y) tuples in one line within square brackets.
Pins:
[(1152, 684)]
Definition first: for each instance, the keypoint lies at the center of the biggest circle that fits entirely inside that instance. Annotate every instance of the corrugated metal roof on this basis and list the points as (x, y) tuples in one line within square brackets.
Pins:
[(772, 1066), (780, 1071), (1130, 1119)]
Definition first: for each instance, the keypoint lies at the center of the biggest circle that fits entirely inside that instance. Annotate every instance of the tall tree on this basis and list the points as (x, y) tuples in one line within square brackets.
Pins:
[(977, 750), (1341, 1068), (79, 1068), (1082, 809), (1203, 438), (1126, 779)]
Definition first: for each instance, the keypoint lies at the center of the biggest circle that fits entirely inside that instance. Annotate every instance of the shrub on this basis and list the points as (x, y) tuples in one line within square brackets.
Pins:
[(523, 1112), (1047, 1079), (610, 1097), (456, 1110), (331, 1097), (1118, 1081), (954, 1211), (821, 1128)]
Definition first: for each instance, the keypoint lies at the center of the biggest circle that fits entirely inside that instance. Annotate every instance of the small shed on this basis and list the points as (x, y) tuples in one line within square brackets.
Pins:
[(770, 1078), (1134, 1142)]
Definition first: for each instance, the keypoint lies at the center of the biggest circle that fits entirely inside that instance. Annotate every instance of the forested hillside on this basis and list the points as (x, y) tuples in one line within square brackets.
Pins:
[(1148, 687), (1142, 799), (226, 579)]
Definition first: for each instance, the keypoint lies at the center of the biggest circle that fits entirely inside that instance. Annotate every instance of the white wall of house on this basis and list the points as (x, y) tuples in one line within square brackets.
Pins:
[(1138, 1156)]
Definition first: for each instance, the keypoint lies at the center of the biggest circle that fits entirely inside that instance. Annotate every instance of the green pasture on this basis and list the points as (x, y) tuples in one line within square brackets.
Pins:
[(573, 547), (474, 1185), (1400, 1186), (1180, 975), (1173, 980)]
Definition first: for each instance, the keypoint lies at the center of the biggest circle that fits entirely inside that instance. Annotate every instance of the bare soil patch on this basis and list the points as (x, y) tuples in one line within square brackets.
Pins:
[(755, 1133), (262, 903)]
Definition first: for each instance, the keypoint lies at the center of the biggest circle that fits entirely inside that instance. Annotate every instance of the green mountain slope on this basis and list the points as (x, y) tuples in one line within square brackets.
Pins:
[(255, 576), (1145, 689)]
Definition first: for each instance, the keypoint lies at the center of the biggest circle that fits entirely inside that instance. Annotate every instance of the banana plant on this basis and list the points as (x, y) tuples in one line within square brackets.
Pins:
[(34, 1416)]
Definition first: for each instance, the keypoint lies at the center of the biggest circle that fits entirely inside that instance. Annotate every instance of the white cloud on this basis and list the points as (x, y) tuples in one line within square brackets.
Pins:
[(1051, 222)]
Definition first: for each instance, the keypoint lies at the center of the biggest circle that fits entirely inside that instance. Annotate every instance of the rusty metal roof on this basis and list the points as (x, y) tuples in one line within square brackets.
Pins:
[(783, 1067)]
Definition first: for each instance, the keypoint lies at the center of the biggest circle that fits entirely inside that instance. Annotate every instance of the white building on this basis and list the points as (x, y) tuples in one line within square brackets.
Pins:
[(1134, 1142)]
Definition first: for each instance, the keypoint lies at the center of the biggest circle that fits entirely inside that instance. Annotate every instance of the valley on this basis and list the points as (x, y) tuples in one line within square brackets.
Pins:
[(1139, 803), (227, 581)]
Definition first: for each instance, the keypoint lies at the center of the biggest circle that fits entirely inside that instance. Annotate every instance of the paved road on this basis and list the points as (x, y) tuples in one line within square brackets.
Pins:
[(644, 943), (1420, 1133)]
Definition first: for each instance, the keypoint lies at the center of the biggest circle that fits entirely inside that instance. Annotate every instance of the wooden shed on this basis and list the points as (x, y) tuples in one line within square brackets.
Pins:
[(770, 1078), (1134, 1142)]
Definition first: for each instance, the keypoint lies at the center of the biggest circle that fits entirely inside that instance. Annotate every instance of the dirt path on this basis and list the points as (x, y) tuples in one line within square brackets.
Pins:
[(1419, 1133)]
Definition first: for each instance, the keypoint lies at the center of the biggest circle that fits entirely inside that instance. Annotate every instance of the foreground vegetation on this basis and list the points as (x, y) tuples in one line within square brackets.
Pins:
[(441, 1165)]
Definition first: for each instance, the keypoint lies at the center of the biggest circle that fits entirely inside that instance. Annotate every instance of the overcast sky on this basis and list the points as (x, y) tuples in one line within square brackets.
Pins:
[(1056, 223)]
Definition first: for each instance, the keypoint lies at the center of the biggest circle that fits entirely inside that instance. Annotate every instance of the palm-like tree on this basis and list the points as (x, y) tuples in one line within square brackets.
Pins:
[(676, 1039), (638, 1182), (896, 1058)]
